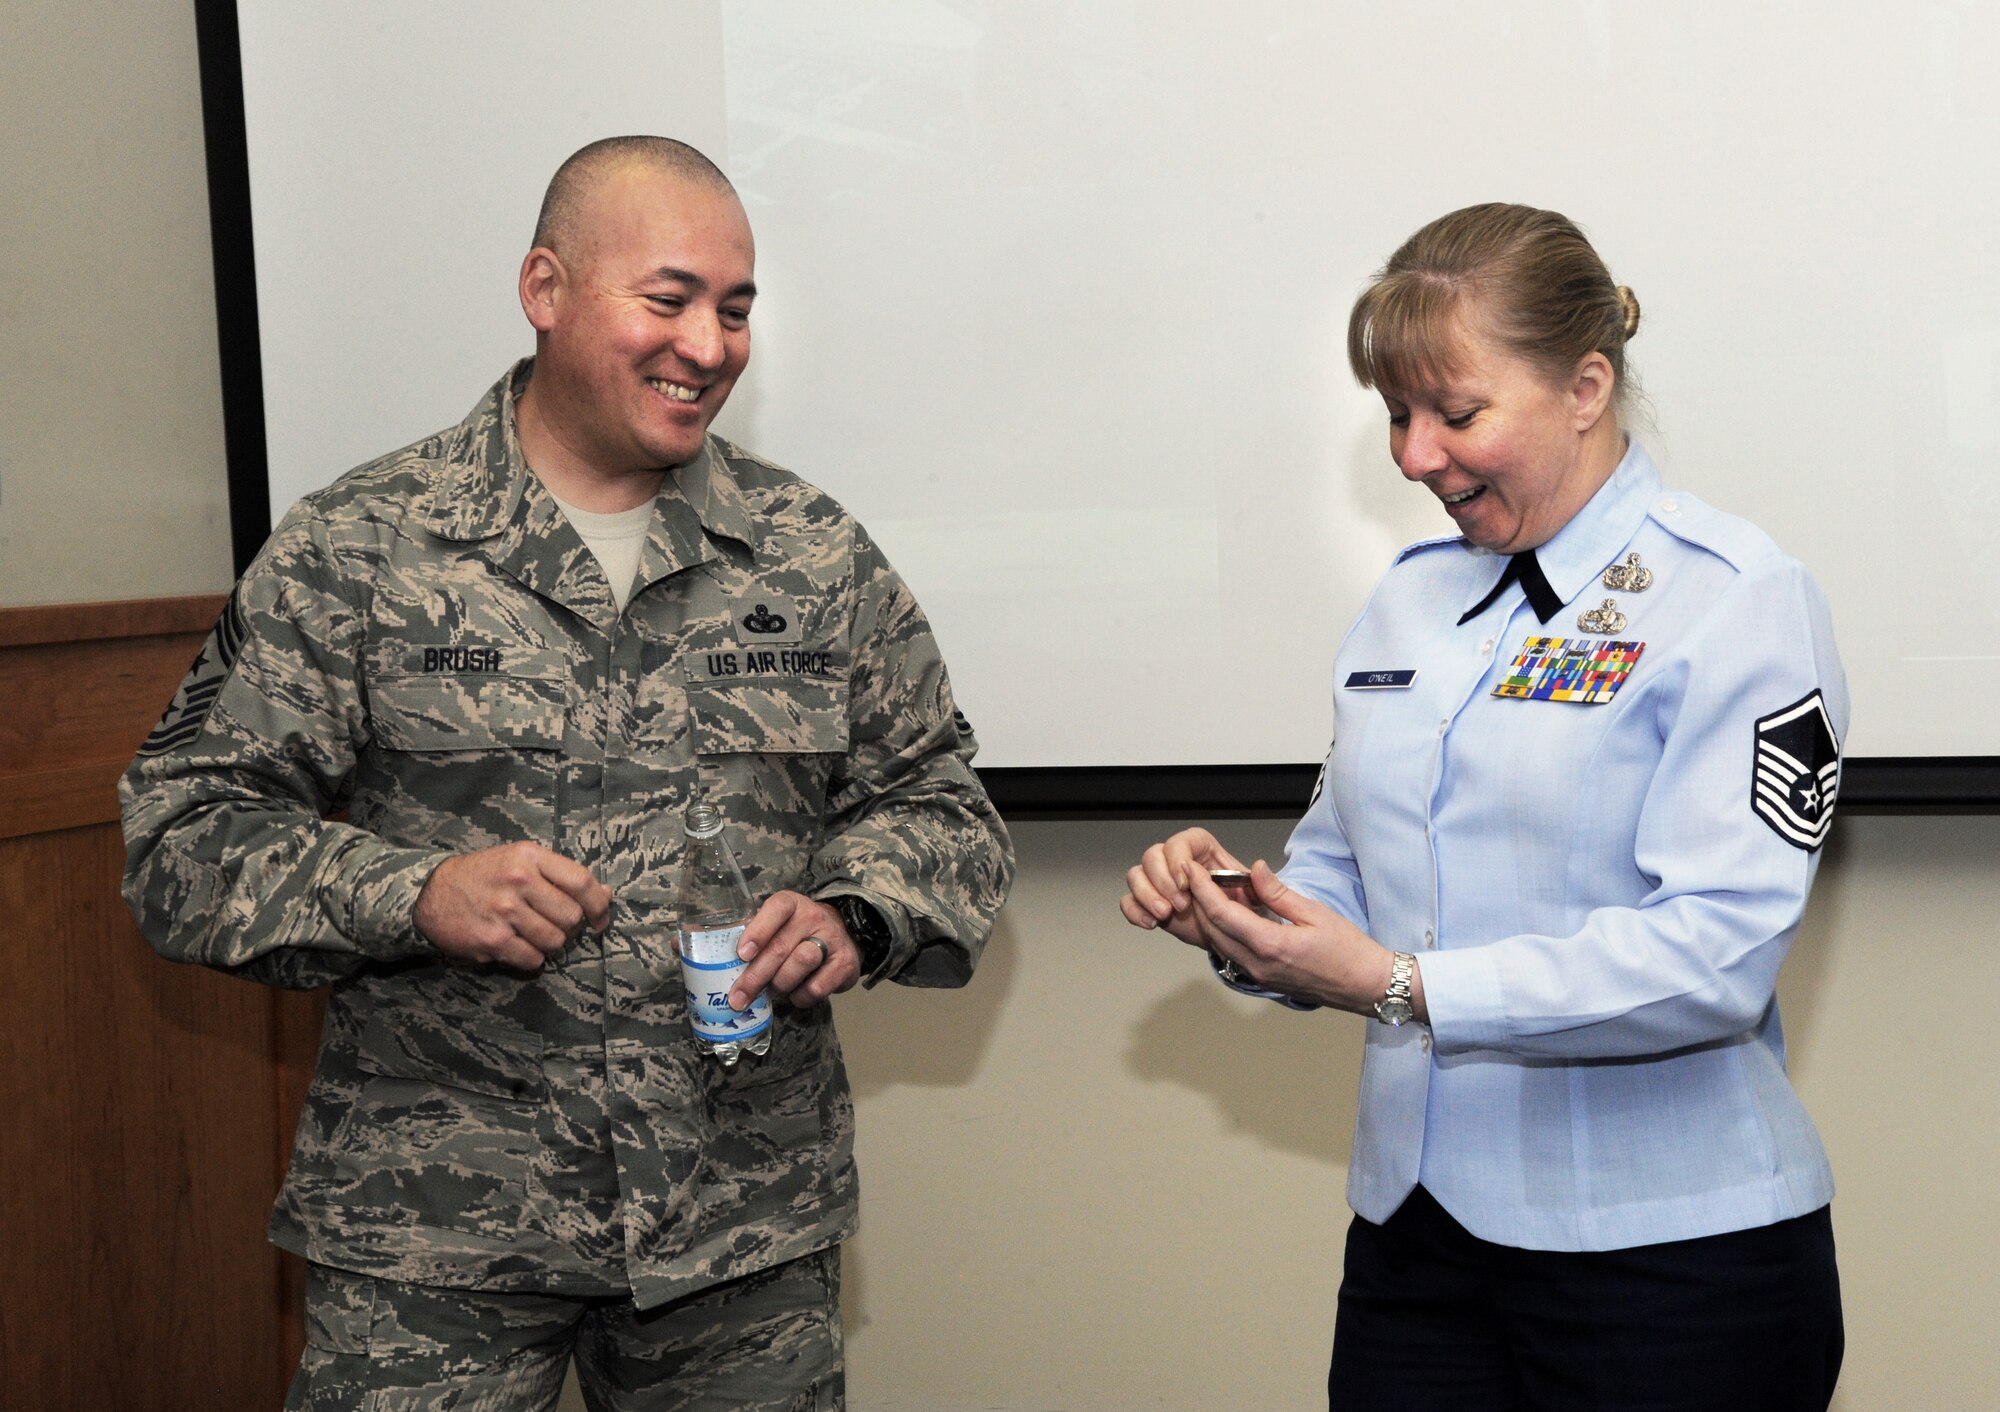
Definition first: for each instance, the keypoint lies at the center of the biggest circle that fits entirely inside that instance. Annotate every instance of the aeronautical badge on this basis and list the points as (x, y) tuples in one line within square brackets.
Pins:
[(1603, 620), (188, 712), (1797, 772)]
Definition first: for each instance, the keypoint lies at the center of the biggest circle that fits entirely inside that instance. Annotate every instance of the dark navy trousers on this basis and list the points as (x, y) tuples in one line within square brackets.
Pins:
[(1434, 1319)]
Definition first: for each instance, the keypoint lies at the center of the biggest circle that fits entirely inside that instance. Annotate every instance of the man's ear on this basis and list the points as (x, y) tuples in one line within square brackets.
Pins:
[(544, 282)]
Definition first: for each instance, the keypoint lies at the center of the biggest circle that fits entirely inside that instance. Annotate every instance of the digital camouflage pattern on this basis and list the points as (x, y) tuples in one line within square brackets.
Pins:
[(769, 1342), (429, 646)]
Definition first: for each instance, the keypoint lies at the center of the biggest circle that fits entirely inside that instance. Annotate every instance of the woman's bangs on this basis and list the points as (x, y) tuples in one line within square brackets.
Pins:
[(1404, 335)]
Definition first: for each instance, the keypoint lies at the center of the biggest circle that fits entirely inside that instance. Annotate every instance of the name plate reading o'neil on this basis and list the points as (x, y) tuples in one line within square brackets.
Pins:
[(1380, 681)]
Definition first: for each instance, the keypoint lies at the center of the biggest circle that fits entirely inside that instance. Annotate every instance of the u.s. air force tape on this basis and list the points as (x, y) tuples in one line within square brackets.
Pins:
[(1797, 772), (770, 663)]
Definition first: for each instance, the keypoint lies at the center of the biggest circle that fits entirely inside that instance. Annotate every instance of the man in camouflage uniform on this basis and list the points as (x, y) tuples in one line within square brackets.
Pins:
[(514, 1150)]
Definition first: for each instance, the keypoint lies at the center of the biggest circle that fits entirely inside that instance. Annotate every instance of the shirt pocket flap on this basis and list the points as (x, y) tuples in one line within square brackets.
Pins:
[(469, 712), (500, 1063), (800, 716)]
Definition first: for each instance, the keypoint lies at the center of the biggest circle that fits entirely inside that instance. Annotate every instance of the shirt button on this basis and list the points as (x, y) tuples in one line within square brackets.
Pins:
[(1430, 937), (1424, 1041), (1670, 506), (1443, 726), (1486, 648)]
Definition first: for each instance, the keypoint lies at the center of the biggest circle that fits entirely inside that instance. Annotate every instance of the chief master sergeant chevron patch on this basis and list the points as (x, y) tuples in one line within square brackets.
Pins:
[(188, 712)]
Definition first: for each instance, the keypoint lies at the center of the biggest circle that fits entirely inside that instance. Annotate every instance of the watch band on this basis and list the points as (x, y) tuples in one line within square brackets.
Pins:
[(1397, 1007), (866, 926)]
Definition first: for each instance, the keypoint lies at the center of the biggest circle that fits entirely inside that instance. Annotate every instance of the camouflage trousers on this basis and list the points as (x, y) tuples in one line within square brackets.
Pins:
[(768, 1342)]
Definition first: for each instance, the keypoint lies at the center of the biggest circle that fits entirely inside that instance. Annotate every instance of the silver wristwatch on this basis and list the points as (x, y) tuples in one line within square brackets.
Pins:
[(1396, 1008)]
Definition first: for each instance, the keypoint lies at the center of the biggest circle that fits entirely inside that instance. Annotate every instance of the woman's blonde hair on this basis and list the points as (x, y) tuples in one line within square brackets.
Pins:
[(1540, 288)]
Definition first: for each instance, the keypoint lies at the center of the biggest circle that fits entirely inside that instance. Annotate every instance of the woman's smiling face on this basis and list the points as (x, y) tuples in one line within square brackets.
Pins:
[(1509, 454)]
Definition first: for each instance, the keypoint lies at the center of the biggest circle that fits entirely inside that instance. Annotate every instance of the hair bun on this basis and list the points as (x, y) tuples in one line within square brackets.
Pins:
[(1629, 302)]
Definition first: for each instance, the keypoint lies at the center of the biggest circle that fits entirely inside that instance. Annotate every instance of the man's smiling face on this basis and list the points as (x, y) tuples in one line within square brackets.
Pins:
[(644, 323)]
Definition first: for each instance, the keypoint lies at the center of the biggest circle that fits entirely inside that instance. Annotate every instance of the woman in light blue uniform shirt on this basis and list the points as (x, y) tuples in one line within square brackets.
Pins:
[(1586, 753)]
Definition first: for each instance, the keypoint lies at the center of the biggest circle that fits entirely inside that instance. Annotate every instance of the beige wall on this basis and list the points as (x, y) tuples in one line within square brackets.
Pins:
[(111, 479), (1093, 1179)]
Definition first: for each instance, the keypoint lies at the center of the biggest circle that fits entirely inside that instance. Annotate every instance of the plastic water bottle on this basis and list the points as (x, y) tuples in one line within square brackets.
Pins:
[(715, 905)]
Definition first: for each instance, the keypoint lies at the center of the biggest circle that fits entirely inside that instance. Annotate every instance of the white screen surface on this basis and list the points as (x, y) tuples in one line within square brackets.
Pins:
[(1052, 295)]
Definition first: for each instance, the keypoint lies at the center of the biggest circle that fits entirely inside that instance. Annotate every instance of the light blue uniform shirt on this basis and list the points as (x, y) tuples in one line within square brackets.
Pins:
[(1598, 895)]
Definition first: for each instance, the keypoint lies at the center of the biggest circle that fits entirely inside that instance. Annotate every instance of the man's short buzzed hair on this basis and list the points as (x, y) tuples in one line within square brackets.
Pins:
[(561, 205)]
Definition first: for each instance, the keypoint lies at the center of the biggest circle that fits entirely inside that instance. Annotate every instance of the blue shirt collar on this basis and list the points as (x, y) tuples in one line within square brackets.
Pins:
[(1598, 533)]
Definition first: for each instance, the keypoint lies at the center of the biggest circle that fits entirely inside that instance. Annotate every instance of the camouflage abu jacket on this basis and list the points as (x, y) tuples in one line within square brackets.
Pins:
[(429, 646)]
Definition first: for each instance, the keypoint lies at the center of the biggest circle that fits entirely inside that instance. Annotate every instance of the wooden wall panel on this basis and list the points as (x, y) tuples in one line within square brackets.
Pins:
[(136, 1156), (73, 711), (150, 1106)]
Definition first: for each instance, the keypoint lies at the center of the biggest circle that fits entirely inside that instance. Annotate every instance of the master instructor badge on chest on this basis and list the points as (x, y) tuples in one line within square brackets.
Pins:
[(759, 619)]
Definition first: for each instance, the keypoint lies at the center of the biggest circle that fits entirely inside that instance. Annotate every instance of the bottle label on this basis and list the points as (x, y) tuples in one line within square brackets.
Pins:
[(709, 967)]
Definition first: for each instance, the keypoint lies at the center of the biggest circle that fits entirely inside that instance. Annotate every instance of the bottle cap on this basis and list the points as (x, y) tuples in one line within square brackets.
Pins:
[(704, 820)]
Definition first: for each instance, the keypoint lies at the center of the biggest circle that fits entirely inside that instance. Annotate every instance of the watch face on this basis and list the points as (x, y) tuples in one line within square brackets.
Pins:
[(1395, 1012)]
